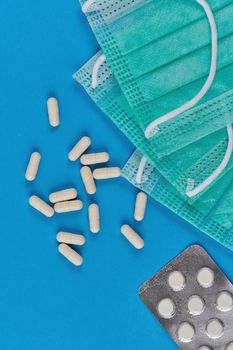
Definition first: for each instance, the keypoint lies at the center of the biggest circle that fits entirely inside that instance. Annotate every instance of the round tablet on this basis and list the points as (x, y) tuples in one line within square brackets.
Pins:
[(166, 308), (230, 346), (214, 328), (225, 301), (195, 305), (204, 348), (205, 277), (186, 332), (176, 280)]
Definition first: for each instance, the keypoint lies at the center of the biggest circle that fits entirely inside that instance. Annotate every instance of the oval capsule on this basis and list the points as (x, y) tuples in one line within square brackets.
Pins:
[(70, 254), (40, 205), (140, 206), (70, 238), (68, 206), (106, 173), (33, 166), (88, 180), (53, 112), (94, 218), (132, 236), (94, 158), (64, 195), (79, 148)]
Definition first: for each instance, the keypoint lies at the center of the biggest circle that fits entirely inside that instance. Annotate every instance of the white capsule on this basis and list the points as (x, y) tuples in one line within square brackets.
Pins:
[(33, 166), (94, 158), (53, 111), (140, 206), (106, 173), (70, 254), (64, 195), (79, 148), (88, 180), (68, 206), (70, 238), (41, 206), (132, 236), (94, 218)]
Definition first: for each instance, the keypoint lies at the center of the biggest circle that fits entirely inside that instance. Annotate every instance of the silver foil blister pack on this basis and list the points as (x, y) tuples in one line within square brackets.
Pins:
[(193, 300)]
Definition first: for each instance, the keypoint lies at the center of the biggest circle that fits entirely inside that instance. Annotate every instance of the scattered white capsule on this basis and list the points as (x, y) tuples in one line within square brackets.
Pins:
[(64, 195), (94, 218), (70, 254), (106, 173), (94, 158), (33, 166), (79, 148), (88, 180), (140, 206), (132, 237), (70, 238), (40, 205), (68, 206), (53, 111)]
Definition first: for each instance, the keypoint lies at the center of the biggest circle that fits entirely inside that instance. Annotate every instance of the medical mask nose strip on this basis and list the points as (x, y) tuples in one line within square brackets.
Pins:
[(152, 128), (190, 190)]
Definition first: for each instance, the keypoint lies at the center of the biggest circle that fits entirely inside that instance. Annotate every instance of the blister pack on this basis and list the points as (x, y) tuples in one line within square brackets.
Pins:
[(193, 299)]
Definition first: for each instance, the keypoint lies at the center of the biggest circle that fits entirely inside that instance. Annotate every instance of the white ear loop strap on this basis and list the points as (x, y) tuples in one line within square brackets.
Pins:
[(193, 192), (153, 127), (188, 105), (95, 71), (141, 168), (218, 171), (87, 5)]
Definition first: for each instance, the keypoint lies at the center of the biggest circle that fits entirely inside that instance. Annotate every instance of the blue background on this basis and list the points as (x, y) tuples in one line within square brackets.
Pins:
[(45, 302)]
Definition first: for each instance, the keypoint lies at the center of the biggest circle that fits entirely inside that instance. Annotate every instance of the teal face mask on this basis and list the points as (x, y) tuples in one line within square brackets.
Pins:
[(160, 70), (188, 169), (216, 222)]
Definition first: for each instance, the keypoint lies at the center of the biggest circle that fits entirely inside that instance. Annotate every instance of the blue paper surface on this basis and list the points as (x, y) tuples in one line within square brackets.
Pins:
[(45, 302)]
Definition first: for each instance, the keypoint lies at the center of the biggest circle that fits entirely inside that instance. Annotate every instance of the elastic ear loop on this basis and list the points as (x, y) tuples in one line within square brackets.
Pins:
[(188, 105), (193, 192), (141, 169), (87, 5), (95, 71), (153, 127)]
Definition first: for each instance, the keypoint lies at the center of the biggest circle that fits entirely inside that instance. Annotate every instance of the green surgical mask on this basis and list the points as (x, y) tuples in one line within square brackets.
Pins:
[(216, 221), (162, 62), (185, 169)]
